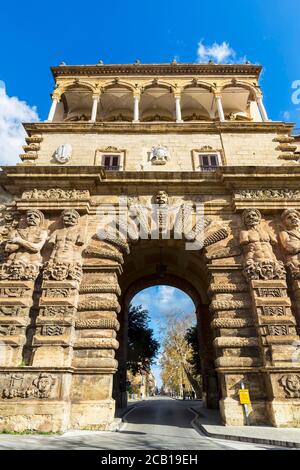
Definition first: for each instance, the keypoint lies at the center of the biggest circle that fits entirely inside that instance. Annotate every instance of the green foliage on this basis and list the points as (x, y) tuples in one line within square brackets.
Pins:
[(191, 337), (142, 347)]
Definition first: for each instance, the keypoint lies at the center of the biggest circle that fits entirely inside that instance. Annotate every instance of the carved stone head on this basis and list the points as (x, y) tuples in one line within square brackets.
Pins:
[(70, 217), (290, 218), (251, 217), (161, 198), (34, 217)]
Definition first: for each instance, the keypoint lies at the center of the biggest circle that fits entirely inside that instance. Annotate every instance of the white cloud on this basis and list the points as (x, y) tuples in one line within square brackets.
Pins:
[(286, 115), (164, 300), (12, 113), (217, 52)]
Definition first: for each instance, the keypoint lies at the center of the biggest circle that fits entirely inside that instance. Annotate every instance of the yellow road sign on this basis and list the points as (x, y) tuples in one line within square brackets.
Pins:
[(244, 397)]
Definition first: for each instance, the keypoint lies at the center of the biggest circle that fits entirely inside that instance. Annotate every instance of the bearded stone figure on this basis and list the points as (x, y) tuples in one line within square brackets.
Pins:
[(23, 248), (65, 261), (260, 261), (290, 241)]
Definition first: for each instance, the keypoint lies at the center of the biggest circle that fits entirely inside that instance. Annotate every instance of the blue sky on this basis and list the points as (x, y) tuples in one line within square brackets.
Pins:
[(35, 35), (162, 302)]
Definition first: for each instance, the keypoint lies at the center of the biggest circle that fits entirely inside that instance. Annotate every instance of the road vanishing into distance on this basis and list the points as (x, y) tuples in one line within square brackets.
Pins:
[(158, 423)]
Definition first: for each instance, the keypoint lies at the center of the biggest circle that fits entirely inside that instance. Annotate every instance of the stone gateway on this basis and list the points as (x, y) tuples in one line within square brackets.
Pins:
[(144, 175)]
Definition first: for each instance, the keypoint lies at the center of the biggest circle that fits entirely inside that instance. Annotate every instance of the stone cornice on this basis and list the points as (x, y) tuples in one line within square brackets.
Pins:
[(156, 69), (170, 127), (227, 179)]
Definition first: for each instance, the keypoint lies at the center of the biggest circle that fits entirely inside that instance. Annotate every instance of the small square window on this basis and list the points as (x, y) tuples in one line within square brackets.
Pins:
[(208, 162), (111, 162)]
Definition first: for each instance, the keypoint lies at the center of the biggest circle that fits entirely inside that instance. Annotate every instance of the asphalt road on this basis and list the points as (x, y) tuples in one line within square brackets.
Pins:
[(154, 424)]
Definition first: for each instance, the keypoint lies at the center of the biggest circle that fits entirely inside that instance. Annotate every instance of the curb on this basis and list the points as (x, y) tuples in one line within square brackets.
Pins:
[(253, 440)]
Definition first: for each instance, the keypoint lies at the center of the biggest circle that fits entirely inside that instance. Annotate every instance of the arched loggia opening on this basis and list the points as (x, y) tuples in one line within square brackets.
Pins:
[(157, 265)]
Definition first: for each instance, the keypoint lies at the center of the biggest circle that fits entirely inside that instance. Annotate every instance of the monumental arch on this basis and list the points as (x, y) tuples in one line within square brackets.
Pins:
[(130, 144)]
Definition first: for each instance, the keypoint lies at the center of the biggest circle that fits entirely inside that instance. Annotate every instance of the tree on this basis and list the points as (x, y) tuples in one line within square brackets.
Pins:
[(177, 359), (142, 346)]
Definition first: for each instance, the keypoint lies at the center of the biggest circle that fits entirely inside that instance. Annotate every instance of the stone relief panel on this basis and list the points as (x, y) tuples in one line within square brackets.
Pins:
[(29, 386)]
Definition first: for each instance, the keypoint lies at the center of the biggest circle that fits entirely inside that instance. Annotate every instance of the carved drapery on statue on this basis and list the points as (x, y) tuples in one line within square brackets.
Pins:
[(22, 247), (256, 239), (65, 260)]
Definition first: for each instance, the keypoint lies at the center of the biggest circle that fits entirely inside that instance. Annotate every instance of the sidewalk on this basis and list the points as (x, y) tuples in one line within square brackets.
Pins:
[(209, 423)]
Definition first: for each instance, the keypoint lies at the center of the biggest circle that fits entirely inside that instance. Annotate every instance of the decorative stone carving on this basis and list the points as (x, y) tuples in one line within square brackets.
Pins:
[(11, 310), (216, 236), (270, 292), (23, 249), (103, 323), (232, 323), (65, 261), (98, 303), (229, 304), (273, 310), (52, 330), (159, 155), (58, 292), (12, 292), (290, 241), (260, 194), (291, 385), (228, 288), (63, 153), (41, 387), (56, 310), (55, 193), (259, 259), (8, 330)]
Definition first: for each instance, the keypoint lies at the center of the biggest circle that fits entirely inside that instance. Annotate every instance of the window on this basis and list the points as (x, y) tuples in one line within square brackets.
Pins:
[(111, 162), (209, 161)]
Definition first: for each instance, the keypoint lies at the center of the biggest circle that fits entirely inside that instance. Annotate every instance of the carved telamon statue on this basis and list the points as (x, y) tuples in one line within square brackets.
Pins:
[(290, 241), (23, 248), (257, 240), (65, 261)]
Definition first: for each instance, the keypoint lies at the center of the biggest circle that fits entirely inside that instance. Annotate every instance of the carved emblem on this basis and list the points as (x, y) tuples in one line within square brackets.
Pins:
[(159, 155), (291, 385), (63, 153)]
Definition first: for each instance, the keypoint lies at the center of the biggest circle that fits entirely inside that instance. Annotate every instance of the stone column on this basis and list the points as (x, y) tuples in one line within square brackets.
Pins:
[(274, 322), (220, 107), (94, 108), (136, 106), (55, 101), (95, 343), (178, 107), (18, 272), (262, 108), (235, 342), (55, 325)]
